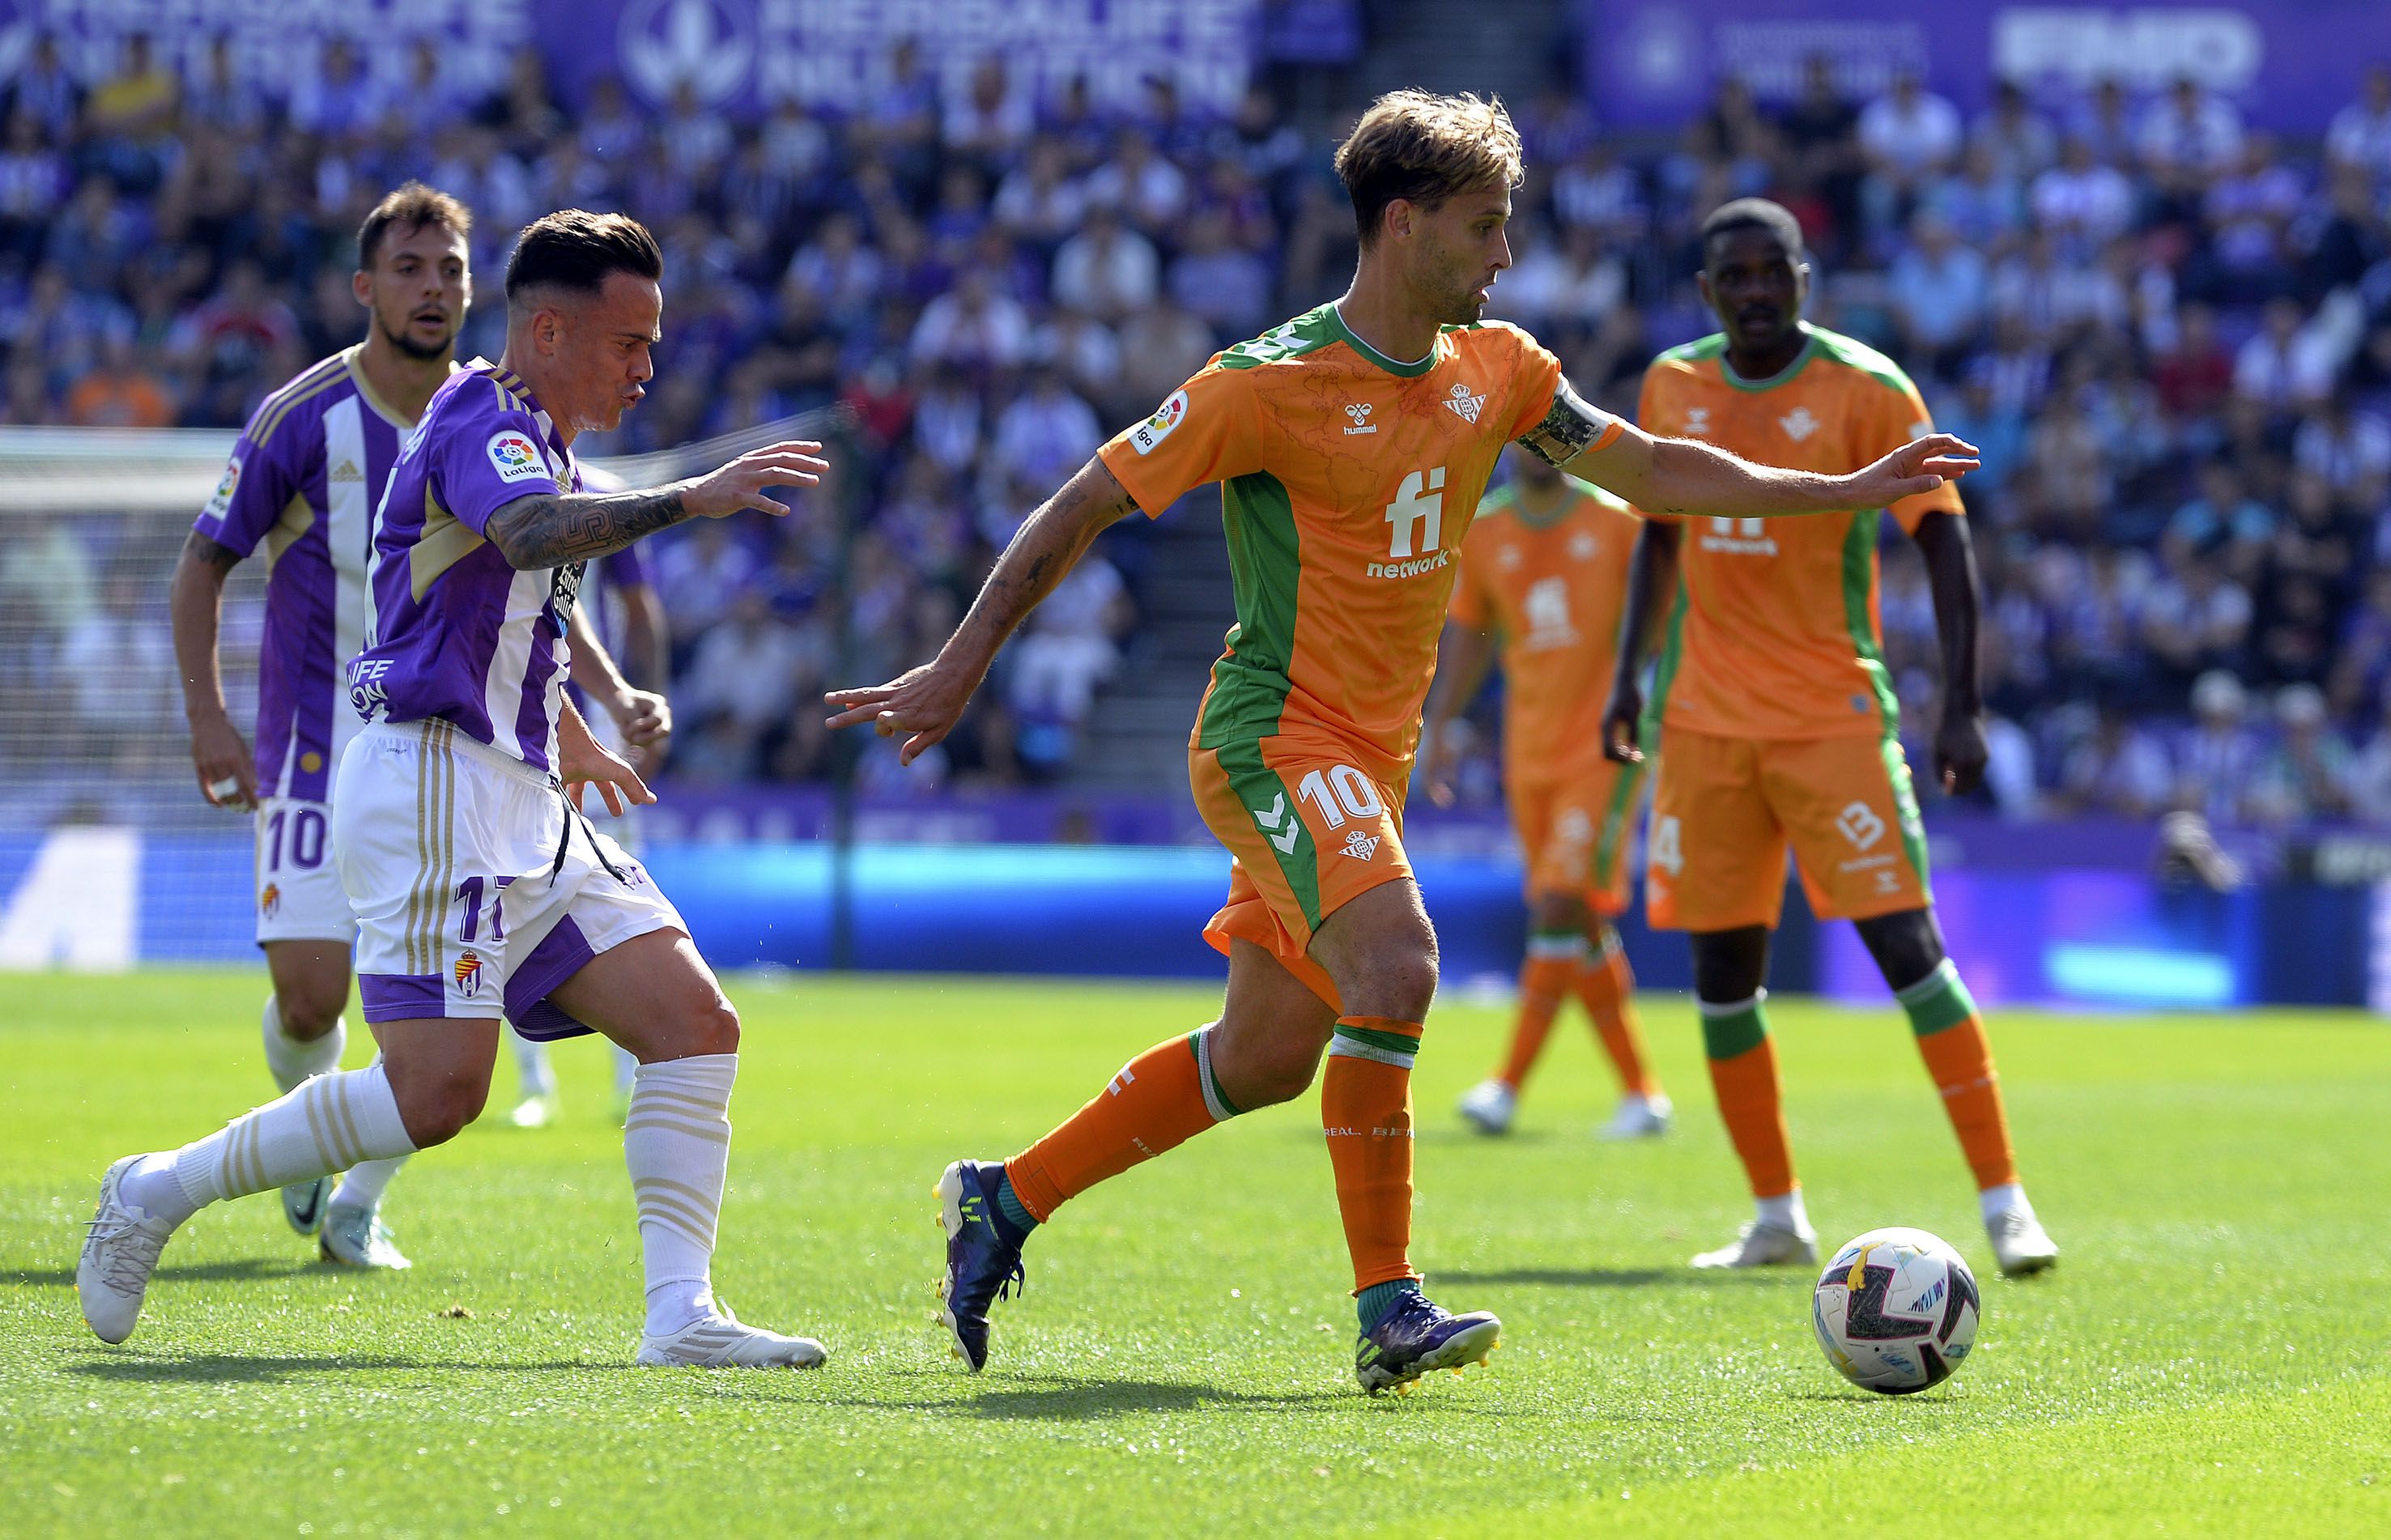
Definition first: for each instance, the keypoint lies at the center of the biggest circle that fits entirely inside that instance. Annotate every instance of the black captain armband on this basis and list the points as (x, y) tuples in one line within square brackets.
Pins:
[(1566, 430)]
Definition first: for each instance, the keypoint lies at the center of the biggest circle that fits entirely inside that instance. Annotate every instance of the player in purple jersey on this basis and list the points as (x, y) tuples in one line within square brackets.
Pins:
[(620, 606), (479, 890), (303, 481)]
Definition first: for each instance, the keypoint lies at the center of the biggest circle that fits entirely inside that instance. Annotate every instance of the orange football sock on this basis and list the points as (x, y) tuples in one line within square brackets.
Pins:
[(1163, 1097), (1743, 1072), (1951, 1039), (1366, 1110), (1545, 978), (1607, 985)]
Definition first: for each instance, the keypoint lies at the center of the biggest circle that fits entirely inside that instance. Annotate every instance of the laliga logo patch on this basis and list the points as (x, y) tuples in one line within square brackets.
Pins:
[(469, 973), (516, 458), (1153, 429), (222, 501)]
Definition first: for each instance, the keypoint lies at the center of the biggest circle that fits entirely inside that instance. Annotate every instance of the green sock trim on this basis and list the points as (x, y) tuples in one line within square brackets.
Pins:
[(1735, 1030), (1392, 1043), (1216, 1101), (1938, 1002), (1010, 1206), (1373, 1302)]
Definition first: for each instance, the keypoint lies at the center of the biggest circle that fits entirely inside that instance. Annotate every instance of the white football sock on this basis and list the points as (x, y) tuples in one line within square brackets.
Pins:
[(1997, 1201), (329, 1124), (677, 1143), (531, 1063), (292, 1060), (1787, 1213), (366, 1182)]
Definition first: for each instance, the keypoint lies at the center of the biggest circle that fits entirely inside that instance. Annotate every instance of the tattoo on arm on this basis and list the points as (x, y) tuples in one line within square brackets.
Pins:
[(200, 548), (1566, 430), (1046, 546), (552, 528)]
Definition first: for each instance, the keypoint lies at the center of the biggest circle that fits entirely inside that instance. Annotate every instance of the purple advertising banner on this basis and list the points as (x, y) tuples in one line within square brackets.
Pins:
[(2288, 64), (739, 55)]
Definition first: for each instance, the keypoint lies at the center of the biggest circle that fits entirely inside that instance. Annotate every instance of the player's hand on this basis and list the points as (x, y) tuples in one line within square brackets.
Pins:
[(1620, 725), (644, 716), (1960, 752), (741, 483), (923, 703), (1437, 764), (221, 756), (582, 762), (1921, 465)]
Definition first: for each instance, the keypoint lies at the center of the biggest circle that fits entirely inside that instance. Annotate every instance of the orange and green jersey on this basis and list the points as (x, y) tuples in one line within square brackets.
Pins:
[(1775, 631), (1348, 482), (1552, 587)]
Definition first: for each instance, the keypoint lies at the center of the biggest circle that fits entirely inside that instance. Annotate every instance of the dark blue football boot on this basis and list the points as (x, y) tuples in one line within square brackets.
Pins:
[(1418, 1336), (983, 1255)]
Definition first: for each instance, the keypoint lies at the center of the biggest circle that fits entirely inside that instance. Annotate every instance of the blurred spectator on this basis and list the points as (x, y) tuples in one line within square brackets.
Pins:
[(1070, 649), (2218, 759), (2120, 768), (120, 391), (2283, 366), (1938, 289), (1106, 269), (2082, 200), (2306, 774), (1045, 434), (2019, 139), (1907, 138), (2360, 137), (2189, 134)]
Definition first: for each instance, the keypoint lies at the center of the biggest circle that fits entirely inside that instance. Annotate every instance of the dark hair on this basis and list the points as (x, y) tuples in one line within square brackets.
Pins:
[(1753, 213), (408, 208), (574, 248)]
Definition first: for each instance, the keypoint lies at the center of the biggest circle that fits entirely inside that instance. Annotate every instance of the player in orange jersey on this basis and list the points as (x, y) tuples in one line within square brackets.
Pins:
[(1776, 723), (1543, 578), (1351, 446)]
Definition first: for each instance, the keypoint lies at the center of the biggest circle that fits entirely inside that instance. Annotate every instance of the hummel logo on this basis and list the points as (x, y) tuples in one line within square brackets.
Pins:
[(1859, 824), (1278, 816), (1697, 419), (1799, 424), (1466, 406), (347, 471), (1360, 412), (1360, 846)]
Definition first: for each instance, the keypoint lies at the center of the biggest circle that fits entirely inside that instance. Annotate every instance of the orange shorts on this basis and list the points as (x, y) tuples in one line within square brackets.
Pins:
[(1724, 809), (1306, 834), (1575, 833)]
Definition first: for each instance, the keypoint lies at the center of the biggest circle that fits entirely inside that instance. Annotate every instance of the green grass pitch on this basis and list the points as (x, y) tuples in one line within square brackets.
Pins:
[(2210, 1357)]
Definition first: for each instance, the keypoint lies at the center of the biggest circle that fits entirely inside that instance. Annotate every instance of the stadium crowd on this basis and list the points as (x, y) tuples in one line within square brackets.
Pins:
[(2170, 334)]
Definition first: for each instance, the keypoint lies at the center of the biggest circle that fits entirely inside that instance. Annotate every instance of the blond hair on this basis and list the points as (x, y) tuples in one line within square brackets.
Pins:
[(1424, 149)]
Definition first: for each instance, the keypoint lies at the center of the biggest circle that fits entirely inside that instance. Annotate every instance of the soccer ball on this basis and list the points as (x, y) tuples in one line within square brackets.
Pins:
[(1896, 1311)]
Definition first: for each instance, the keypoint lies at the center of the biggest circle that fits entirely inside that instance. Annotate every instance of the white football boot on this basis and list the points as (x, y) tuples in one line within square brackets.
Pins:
[(1761, 1245), (536, 1110), (120, 1251), (719, 1342), (1639, 1117), (1490, 1106), (2019, 1243), (355, 1237)]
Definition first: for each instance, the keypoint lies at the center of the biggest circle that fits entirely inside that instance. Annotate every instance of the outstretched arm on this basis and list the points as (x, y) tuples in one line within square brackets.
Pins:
[(548, 529), (1651, 574), (1960, 750), (1684, 475), (218, 752), (926, 702)]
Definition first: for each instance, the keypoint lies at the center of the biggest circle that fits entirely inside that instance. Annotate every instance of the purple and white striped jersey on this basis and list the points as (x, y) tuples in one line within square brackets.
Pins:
[(304, 479), (457, 633)]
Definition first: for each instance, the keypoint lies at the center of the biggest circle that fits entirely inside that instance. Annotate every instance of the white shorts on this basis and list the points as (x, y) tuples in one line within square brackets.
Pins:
[(299, 892), (448, 850)]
